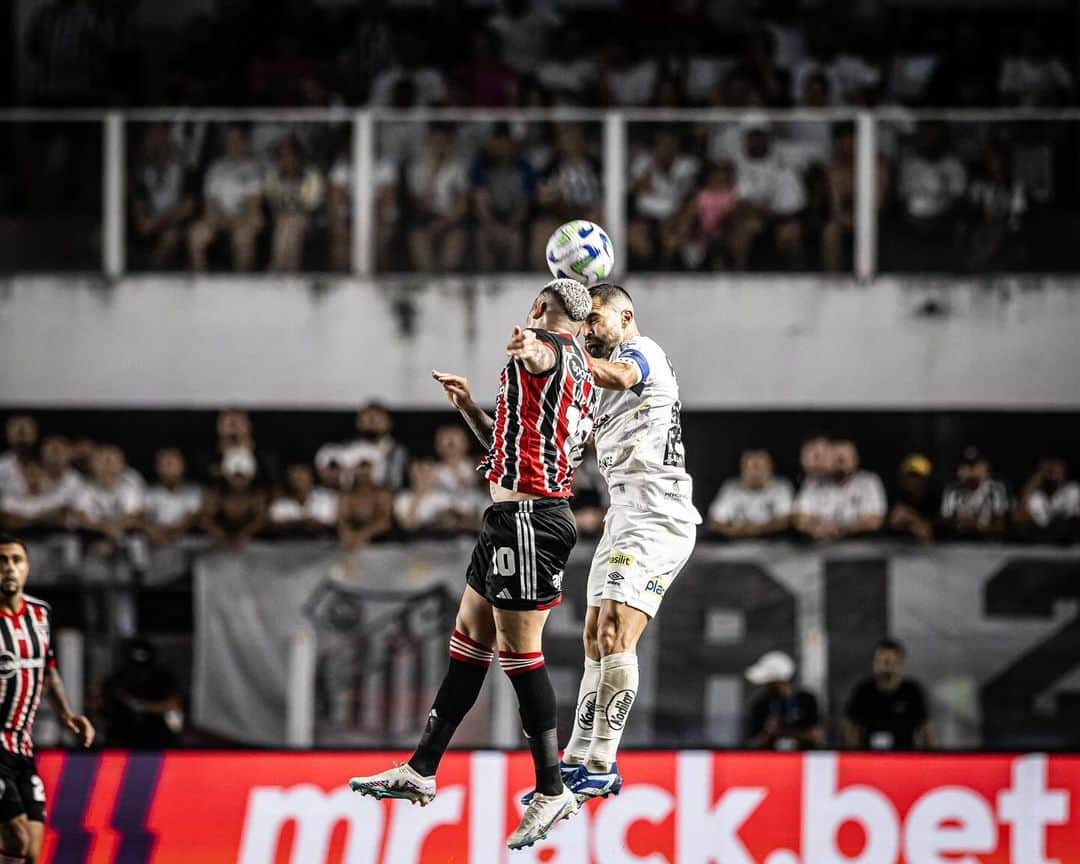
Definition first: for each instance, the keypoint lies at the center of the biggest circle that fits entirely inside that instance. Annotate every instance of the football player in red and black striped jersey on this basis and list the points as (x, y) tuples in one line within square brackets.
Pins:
[(544, 414), (27, 672)]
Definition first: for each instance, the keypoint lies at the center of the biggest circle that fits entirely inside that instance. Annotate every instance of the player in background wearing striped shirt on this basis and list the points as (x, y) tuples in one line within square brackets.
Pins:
[(543, 416), (27, 672)]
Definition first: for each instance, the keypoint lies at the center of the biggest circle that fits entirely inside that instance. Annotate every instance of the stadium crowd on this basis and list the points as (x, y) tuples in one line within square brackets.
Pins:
[(369, 488), (756, 195)]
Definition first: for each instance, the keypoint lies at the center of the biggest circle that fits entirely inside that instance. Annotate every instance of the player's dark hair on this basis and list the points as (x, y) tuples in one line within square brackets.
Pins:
[(11, 540), (606, 291), (890, 645)]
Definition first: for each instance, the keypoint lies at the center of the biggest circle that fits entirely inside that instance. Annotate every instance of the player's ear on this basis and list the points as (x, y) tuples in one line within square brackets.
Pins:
[(627, 317)]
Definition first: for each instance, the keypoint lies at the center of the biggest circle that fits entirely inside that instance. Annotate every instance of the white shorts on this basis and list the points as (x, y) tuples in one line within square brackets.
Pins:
[(639, 555)]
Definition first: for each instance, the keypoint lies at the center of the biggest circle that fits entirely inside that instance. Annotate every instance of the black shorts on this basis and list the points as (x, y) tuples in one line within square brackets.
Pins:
[(521, 553), (21, 790)]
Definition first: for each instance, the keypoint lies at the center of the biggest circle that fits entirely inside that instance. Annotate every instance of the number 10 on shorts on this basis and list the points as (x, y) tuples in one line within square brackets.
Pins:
[(504, 561)]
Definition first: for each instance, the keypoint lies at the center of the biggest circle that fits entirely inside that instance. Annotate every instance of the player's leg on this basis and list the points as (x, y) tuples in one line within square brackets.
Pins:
[(37, 837), (522, 659), (648, 552), (470, 658), (14, 840), (577, 748)]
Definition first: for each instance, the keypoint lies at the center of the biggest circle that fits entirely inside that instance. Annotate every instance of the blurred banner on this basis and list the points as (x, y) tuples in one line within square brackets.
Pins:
[(990, 632), (678, 807)]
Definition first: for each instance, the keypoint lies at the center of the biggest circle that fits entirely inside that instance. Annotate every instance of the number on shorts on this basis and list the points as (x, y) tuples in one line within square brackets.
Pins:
[(38, 788), (505, 561)]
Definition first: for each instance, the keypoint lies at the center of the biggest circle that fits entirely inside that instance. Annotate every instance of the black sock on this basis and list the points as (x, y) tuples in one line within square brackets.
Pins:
[(456, 696), (536, 702)]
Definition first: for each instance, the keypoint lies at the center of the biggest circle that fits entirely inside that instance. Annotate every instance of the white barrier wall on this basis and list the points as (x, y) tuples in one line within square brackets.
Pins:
[(737, 343)]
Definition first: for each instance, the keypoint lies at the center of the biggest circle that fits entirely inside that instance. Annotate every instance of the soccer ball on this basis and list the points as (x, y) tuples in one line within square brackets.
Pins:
[(580, 250)]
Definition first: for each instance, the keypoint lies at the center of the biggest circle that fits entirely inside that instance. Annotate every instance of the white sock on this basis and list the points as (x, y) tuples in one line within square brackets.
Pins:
[(614, 697), (577, 748)]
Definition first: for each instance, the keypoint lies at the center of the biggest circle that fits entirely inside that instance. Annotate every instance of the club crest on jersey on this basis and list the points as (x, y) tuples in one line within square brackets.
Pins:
[(575, 367), (9, 665), (621, 559)]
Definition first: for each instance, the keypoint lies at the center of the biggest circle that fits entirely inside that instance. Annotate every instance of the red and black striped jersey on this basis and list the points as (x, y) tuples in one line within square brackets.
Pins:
[(26, 656), (542, 421)]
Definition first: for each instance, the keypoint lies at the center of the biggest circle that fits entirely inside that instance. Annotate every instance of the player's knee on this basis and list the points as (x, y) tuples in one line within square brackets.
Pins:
[(609, 636)]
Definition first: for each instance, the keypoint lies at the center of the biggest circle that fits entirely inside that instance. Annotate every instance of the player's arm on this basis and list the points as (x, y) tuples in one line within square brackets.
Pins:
[(78, 724), (615, 374), (536, 355), (458, 395)]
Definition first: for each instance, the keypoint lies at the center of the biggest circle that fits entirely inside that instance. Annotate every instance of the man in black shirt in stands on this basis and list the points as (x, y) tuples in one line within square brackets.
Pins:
[(888, 711)]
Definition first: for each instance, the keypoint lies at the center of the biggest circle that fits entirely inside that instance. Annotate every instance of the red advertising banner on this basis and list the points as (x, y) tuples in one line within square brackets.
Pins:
[(676, 807)]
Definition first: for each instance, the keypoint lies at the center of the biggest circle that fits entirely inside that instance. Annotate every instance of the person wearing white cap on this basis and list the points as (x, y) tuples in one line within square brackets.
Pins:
[(781, 717), (236, 510)]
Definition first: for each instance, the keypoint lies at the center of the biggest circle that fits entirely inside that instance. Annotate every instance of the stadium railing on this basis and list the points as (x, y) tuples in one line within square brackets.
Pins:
[(61, 150)]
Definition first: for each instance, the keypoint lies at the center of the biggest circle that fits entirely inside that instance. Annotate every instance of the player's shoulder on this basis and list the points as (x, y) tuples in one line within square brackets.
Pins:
[(36, 601)]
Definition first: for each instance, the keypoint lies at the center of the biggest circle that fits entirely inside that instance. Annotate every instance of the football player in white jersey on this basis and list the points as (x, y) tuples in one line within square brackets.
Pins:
[(649, 531)]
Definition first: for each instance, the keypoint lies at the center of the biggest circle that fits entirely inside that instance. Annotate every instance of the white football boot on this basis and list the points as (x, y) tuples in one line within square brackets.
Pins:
[(540, 816), (401, 781)]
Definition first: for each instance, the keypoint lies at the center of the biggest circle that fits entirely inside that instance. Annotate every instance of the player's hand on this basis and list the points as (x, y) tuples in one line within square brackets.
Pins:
[(81, 728), (522, 343), (456, 389)]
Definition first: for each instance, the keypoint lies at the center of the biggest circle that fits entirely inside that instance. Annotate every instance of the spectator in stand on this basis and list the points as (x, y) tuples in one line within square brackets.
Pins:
[(365, 510), (455, 471), (623, 78), (173, 507), (376, 445), (998, 204), (1049, 505), (234, 432), (504, 185), (142, 701), (62, 482), (888, 711), (304, 509), (426, 83), (569, 71), (661, 180), (708, 219), (163, 201), (525, 28), (428, 506), (571, 186), (838, 236), (757, 504), (931, 186), (1035, 77), (486, 81), (110, 506), (591, 501), (915, 505), (294, 192), (976, 504), (850, 79), (772, 197), (22, 439), (330, 467), (232, 205), (438, 197), (782, 716), (29, 509), (339, 211), (236, 508), (852, 504)]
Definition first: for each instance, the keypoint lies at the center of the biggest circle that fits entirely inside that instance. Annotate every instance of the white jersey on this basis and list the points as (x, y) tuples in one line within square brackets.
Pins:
[(639, 436)]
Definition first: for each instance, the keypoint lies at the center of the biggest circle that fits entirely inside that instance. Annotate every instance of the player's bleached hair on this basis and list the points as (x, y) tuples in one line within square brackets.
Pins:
[(573, 297), (608, 291)]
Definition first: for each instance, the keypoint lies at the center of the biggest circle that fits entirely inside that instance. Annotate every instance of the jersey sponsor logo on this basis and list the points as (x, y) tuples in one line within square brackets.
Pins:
[(586, 712), (618, 709), (10, 664), (556, 581), (656, 587), (575, 367), (621, 559)]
